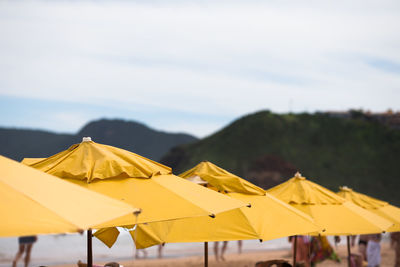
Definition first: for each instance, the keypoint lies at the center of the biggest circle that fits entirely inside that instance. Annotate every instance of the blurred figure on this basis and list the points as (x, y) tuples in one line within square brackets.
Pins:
[(337, 240), (353, 240), (302, 249), (362, 245), (240, 244), (25, 245), (356, 260), (321, 250), (160, 248), (395, 243), (219, 255), (374, 250), (137, 253)]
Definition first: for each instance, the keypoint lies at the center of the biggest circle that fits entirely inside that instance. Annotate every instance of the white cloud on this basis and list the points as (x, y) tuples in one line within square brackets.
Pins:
[(205, 57)]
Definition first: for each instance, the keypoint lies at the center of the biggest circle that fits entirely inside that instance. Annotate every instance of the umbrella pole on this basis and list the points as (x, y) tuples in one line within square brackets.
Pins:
[(89, 248), (205, 254), (294, 251), (348, 252)]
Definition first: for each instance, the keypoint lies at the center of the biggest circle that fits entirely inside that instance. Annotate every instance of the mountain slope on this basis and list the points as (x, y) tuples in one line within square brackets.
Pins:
[(135, 137), (132, 136), (20, 143), (267, 149)]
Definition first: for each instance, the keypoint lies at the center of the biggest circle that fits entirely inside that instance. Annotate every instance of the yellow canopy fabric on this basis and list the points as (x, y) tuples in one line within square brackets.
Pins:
[(107, 235), (267, 218), (33, 202), (89, 161), (221, 179), (331, 212), (379, 207), (163, 197), (160, 195), (30, 161)]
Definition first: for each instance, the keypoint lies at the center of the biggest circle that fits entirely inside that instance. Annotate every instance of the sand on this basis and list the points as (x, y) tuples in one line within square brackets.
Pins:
[(247, 259)]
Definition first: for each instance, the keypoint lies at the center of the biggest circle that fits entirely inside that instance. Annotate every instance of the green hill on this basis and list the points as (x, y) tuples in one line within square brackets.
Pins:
[(267, 149), (136, 137), (22, 143)]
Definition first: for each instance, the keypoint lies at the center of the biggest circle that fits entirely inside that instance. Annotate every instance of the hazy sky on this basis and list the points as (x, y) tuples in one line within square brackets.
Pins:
[(193, 66)]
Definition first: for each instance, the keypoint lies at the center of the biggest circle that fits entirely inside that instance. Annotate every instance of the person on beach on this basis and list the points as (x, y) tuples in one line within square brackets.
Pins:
[(374, 250), (395, 244), (137, 253), (160, 249), (362, 245), (337, 240), (240, 245), (219, 255), (359, 258), (321, 250), (144, 252), (302, 249), (25, 245)]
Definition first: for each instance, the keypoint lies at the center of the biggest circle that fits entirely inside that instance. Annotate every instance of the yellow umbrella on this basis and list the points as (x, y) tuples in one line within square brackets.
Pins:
[(267, 218), (221, 179), (135, 180), (89, 161), (33, 202), (334, 214), (374, 205)]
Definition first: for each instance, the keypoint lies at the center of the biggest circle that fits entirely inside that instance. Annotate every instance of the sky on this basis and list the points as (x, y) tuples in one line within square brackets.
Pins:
[(193, 66)]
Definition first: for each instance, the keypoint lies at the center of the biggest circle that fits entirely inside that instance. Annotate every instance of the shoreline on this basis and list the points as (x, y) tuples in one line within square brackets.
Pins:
[(247, 258)]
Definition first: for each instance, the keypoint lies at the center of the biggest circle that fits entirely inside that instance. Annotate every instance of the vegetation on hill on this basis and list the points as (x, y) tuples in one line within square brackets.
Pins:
[(268, 148), (20, 143), (135, 137), (138, 138)]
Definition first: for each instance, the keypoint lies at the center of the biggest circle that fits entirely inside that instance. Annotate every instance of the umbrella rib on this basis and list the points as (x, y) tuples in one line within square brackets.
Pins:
[(188, 199)]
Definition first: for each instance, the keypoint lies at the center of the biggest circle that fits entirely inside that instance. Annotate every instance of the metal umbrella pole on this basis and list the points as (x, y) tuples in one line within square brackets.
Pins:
[(205, 254), (89, 248), (294, 250), (348, 252)]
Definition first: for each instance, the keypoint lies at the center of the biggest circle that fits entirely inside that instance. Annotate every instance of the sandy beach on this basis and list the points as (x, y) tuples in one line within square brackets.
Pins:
[(246, 259)]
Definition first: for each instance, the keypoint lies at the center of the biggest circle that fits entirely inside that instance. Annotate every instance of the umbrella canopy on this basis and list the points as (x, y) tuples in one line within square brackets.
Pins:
[(334, 214), (89, 161), (266, 217), (221, 179), (135, 180), (33, 202), (374, 205)]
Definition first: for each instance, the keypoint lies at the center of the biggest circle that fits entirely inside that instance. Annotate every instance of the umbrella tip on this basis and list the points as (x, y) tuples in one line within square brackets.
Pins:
[(298, 176), (344, 188), (86, 139)]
